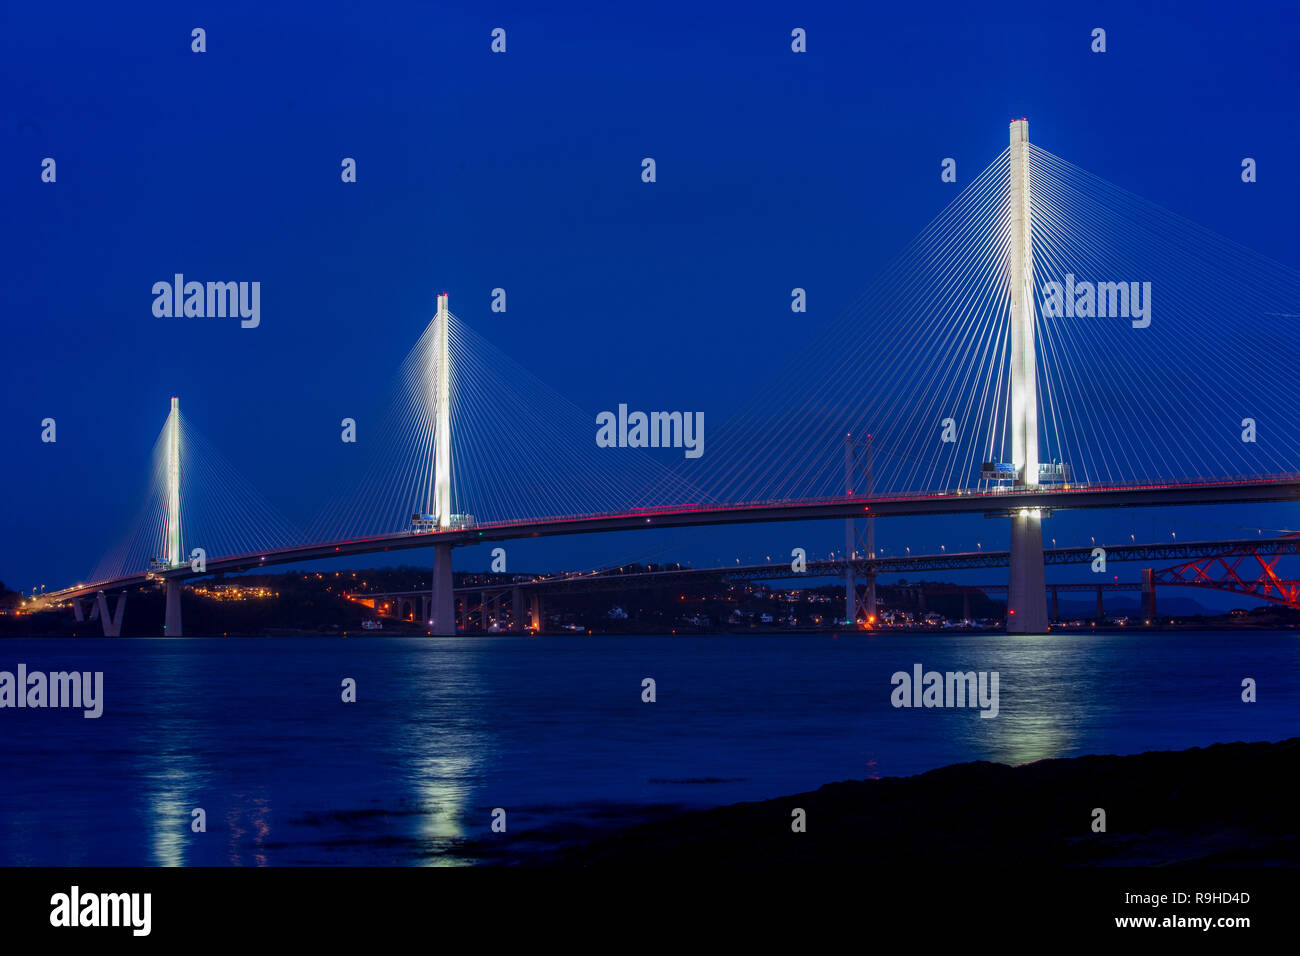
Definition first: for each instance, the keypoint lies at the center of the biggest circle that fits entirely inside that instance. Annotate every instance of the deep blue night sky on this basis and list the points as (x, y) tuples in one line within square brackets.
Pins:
[(522, 171)]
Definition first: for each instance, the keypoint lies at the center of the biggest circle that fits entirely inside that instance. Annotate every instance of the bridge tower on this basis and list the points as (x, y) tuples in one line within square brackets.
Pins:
[(1027, 595), (172, 589), (442, 619), (859, 534), (442, 404), (174, 483)]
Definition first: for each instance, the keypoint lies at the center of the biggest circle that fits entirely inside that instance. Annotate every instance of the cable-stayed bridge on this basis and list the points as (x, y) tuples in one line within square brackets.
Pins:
[(1048, 342)]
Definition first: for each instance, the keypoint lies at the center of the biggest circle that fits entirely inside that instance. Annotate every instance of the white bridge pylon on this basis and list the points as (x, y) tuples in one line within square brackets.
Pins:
[(442, 405), (436, 512), (442, 601), (172, 616), (174, 483), (1026, 595)]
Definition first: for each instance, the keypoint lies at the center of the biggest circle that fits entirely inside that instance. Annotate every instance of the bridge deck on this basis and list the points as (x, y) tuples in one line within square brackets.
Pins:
[(1219, 491)]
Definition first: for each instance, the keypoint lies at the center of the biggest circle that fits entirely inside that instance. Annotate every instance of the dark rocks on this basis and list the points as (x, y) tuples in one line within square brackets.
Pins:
[(1224, 804)]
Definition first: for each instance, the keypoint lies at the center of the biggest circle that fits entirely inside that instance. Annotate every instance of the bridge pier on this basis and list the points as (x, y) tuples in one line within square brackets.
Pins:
[(1101, 609), (442, 599), (856, 604), (535, 610), (1056, 605), (172, 617), (1027, 593), (1149, 594), (516, 609), (858, 458), (112, 625), (850, 585)]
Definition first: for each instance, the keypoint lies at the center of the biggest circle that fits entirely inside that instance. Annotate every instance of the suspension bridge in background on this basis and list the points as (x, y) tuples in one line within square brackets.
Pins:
[(1009, 363)]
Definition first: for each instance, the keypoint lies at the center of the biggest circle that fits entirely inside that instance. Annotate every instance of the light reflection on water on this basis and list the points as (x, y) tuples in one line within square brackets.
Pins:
[(254, 731), (446, 687)]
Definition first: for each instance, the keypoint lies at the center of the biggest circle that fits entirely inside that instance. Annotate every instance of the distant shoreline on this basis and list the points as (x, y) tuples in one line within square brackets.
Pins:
[(397, 630)]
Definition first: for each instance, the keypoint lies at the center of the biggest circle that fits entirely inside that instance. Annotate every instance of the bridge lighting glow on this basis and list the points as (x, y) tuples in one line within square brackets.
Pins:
[(441, 504), (174, 484)]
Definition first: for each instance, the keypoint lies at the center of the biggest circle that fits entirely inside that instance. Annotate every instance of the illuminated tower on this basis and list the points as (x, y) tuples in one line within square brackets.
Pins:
[(172, 588), (442, 405), (442, 616), (174, 484), (1027, 597)]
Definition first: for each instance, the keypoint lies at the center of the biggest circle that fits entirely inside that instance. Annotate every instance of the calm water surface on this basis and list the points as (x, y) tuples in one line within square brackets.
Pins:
[(554, 731)]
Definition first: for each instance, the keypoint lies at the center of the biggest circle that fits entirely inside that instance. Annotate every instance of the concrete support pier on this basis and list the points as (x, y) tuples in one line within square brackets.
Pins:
[(172, 620), (113, 624), (1027, 594), (442, 599)]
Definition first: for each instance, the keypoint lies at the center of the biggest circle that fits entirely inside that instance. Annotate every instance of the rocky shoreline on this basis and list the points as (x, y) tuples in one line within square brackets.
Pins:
[(1227, 804)]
